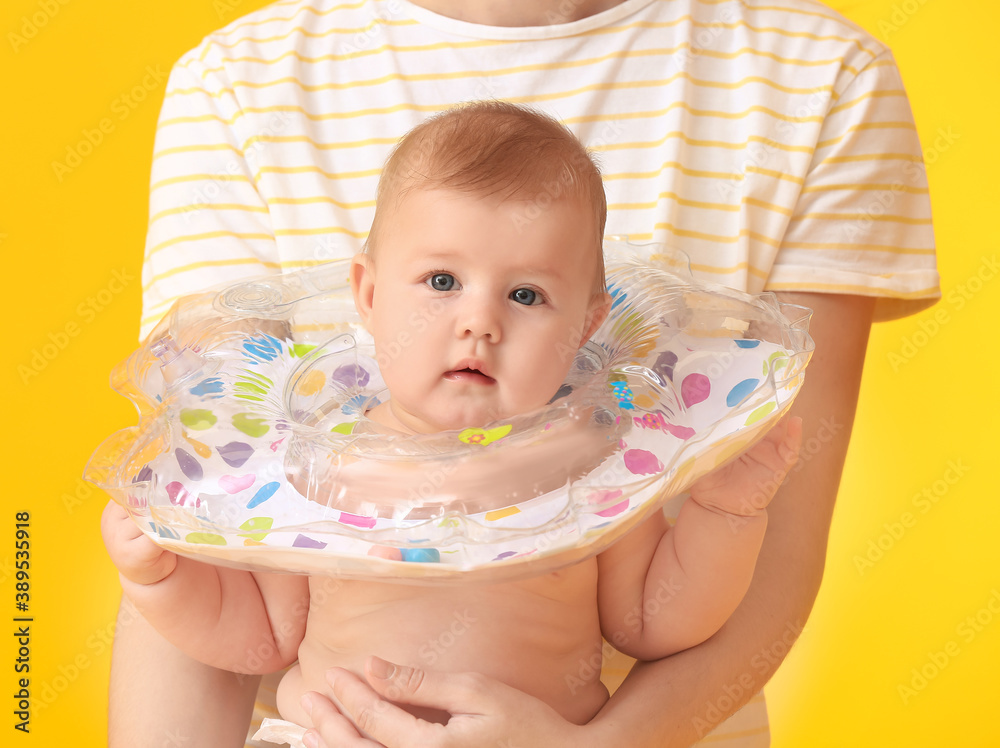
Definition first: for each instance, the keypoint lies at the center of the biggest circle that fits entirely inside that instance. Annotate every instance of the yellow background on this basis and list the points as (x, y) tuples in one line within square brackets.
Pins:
[(929, 400)]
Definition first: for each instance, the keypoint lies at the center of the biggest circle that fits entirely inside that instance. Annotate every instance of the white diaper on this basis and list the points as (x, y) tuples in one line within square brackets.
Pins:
[(281, 731)]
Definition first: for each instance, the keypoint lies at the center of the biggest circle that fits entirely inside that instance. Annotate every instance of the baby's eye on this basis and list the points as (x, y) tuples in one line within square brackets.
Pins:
[(525, 296), (441, 281)]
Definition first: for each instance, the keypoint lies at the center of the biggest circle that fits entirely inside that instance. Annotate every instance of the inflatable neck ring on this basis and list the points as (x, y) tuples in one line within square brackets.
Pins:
[(253, 450)]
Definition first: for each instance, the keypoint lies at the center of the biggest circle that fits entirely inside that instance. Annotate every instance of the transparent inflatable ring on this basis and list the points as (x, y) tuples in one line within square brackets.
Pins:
[(253, 450)]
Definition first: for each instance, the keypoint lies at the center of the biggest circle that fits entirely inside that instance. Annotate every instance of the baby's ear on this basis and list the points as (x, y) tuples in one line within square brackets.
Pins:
[(363, 285), (600, 305)]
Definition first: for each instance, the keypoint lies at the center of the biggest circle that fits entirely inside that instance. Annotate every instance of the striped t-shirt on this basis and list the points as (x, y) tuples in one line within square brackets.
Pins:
[(770, 140)]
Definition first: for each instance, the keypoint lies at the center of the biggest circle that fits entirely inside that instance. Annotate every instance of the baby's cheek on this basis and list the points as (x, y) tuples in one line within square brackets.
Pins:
[(540, 388)]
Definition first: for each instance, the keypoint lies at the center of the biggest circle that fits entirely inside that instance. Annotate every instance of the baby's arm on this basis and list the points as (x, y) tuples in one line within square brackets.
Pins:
[(661, 591), (246, 622)]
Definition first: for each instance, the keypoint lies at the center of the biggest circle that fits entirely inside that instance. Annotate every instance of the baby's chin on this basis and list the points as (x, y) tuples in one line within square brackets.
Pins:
[(387, 417), (383, 416)]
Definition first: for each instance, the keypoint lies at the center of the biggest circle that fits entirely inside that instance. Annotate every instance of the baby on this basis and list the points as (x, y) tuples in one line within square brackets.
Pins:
[(483, 263)]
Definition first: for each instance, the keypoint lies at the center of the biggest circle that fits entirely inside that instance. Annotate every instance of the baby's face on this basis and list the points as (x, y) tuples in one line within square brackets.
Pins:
[(477, 306)]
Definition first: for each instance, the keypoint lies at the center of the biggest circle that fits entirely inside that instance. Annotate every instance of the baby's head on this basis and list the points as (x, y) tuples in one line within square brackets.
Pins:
[(483, 272)]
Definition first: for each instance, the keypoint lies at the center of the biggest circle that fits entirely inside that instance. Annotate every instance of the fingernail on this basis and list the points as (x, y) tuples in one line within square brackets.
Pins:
[(309, 740), (382, 669), (307, 704)]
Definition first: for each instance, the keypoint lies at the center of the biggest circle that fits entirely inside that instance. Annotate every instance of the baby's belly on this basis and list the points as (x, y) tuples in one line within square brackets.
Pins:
[(541, 636)]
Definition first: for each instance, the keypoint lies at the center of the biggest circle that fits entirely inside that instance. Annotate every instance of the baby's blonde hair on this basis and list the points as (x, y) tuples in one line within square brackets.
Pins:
[(493, 148)]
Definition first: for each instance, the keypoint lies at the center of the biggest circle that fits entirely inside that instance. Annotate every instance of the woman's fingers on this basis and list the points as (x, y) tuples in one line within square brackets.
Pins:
[(374, 716), (330, 729)]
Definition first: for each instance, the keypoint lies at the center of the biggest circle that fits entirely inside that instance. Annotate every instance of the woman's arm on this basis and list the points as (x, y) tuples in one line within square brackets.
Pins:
[(676, 701), (158, 696)]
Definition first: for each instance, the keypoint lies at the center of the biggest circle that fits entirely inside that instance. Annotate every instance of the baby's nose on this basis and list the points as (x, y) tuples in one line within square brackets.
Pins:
[(480, 318)]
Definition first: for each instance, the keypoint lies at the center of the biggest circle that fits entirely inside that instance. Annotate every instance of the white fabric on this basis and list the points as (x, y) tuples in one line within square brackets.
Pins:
[(773, 144), (280, 731)]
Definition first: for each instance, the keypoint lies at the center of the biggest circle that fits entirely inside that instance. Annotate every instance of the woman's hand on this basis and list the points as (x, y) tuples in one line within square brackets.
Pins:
[(484, 712)]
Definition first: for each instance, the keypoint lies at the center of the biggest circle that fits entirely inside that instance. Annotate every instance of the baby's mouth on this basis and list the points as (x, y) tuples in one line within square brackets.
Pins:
[(470, 375)]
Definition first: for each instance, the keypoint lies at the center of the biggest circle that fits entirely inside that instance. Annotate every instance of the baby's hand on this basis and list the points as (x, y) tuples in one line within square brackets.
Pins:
[(746, 485), (137, 558)]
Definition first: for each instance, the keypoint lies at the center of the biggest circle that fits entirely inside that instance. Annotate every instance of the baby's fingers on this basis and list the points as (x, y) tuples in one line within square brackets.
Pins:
[(778, 451), (792, 443), (746, 485), (768, 462), (136, 557)]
